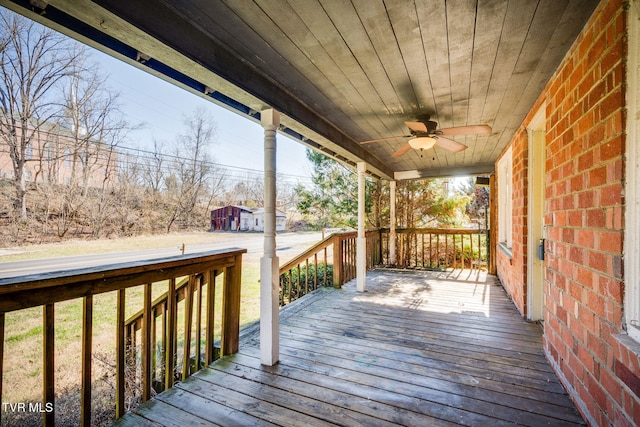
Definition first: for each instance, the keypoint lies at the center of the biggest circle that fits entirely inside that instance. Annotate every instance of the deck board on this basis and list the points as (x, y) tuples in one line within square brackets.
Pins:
[(418, 348)]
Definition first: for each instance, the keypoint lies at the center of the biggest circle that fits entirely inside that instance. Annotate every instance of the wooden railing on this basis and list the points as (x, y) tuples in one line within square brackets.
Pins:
[(330, 262), (437, 248), (185, 276)]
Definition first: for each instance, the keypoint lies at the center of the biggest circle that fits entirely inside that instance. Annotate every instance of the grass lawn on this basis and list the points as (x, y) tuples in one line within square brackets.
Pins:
[(23, 329)]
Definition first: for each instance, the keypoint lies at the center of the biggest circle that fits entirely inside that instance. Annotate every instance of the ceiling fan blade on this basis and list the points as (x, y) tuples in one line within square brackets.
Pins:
[(467, 130), (450, 144), (417, 126), (402, 150), (383, 139)]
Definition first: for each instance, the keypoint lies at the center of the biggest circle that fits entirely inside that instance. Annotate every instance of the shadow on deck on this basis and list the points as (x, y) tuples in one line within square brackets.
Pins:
[(418, 348)]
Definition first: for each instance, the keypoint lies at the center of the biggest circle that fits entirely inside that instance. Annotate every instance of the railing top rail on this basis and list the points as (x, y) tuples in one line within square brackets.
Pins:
[(309, 252), (435, 230), (318, 247), (38, 289)]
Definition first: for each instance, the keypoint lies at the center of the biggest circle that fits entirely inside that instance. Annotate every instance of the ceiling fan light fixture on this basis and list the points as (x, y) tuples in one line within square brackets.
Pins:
[(422, 142)]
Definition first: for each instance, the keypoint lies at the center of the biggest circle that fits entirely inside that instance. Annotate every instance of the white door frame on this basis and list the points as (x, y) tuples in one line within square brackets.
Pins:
[(535, 214)]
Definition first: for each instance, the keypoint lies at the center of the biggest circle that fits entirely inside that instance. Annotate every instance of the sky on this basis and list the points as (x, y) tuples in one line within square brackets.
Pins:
[(162, 106)]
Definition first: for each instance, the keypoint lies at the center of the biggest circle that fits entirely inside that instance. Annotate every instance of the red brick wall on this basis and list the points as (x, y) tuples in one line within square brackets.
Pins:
[(584, 216)]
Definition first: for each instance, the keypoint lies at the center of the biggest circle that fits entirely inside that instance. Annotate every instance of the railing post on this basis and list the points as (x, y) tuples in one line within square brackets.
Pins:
[(337, 261), (231, 307), (48, 371), (87, 331)]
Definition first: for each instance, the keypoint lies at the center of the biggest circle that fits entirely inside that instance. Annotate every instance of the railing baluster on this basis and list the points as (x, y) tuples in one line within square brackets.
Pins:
[(325, 266), (347, 259), (153, 345), (87, 331), (146, 344), (211, 303), (472, 254), (306, 278), (446, 251), (163, 348), (121, 346), (48, 371), (188, 321), (315, 271), (346, 252), (198, 339), (455, 256), (353, 258), (298, 284), (170, 337)]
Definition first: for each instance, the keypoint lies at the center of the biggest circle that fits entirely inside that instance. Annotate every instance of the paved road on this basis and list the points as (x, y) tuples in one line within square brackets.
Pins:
[(288, 245)]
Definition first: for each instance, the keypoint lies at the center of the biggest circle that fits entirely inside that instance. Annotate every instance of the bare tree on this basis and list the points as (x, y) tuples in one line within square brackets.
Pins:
[(97, 126), (154, 168), (33, 61), (189, 184), (92, 126)]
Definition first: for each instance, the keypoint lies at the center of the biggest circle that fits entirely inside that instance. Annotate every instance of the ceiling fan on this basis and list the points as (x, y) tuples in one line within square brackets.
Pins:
[(425, 134)]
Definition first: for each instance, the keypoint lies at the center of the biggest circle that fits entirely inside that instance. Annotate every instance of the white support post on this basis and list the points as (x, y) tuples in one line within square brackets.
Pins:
[(392, 223), (269, 263), (361, 243)]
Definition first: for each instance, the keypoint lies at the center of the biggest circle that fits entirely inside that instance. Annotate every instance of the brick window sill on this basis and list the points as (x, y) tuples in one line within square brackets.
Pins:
[(502, 246)]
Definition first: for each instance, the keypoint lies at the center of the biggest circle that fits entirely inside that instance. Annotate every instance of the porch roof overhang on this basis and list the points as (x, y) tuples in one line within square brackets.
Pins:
[(345, 72)]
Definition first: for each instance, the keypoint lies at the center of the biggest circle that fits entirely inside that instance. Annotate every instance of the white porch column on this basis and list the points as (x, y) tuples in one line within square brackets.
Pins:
[(392, 223), (361, 243), (269, 263)]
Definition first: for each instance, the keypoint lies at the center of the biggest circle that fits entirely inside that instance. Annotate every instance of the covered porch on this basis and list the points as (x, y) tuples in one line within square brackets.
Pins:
[(355, 81), (418, 348)]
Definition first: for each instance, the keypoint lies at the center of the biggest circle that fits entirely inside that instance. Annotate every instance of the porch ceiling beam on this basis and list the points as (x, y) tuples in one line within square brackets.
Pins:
[(464, 170)]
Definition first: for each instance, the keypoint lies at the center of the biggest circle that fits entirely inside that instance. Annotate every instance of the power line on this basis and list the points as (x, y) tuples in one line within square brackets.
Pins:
[(152, 155)]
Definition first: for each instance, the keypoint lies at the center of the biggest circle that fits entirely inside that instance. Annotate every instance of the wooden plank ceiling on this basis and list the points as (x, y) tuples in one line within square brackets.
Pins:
[(342, 71)]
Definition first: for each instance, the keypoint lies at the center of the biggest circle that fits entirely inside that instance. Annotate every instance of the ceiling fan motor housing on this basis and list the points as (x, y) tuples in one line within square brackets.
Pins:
[(428, 123)]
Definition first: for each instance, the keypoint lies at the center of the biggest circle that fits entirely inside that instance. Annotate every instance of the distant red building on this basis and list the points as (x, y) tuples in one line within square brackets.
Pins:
[(230, 218), (242, 218)]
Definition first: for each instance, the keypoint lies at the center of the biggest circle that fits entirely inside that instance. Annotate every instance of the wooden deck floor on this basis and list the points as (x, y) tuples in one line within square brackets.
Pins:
[(418, 348)]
